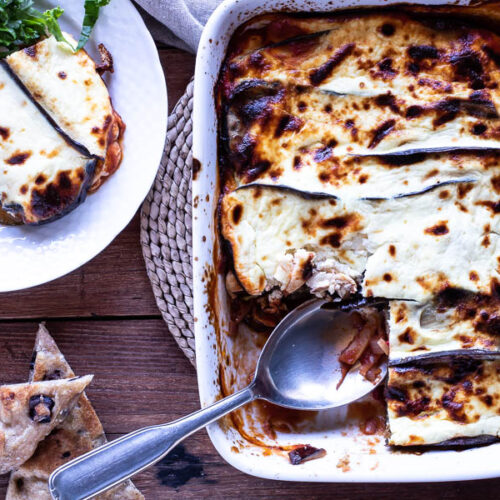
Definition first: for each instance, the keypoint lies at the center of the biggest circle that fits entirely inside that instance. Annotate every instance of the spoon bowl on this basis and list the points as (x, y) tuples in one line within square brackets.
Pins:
[(298, 368), (299, 365)]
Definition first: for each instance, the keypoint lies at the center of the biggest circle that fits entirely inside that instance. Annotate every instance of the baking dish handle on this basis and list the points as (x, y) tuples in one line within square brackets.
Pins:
[(108, 465)]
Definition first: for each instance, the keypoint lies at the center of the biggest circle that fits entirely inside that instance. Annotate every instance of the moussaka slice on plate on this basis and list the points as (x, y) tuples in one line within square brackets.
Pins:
[(44, 174), (360, 162), (70, 89), (59, 133)]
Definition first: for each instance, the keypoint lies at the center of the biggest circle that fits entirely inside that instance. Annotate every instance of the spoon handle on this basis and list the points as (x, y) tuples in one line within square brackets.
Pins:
[(108, 465)]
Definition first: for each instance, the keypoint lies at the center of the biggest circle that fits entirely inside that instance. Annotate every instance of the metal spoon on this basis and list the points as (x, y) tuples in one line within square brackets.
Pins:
[(298, 368)]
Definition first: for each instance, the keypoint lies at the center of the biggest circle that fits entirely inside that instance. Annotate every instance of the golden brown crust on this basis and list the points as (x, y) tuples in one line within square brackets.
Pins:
[(113, 153), (446, 399), (268, 29), (230, 207)]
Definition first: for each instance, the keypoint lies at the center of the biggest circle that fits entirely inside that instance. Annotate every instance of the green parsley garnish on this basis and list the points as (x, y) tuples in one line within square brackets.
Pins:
[(92, 8), (22, 25)]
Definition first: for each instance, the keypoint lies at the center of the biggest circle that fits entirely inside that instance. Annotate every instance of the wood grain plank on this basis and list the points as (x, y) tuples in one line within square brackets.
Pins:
[(179, 68), (142, 378), (112, 284)]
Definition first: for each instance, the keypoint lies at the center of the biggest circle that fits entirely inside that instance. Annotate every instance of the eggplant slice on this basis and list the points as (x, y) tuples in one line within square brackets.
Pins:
[(434, 402), (355, 146), (45, 174), (407, 248), (455, 321)]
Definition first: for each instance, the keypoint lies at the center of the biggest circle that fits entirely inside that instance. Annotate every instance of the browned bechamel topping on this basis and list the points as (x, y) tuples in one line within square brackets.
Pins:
[(18, 158), (320, 74), (407, 336), (4, 133), (452, 389), (237, 212), (439, 229), (482, 310)]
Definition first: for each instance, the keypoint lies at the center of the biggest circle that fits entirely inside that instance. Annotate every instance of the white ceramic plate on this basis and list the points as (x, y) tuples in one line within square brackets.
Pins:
[(34, 255), (369, 462)]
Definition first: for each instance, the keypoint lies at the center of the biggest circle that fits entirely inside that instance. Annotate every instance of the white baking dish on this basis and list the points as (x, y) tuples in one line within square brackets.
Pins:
[(369, 461)]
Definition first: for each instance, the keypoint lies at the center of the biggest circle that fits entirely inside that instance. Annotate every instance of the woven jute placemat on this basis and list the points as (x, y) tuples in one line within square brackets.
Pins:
[(166, 228)]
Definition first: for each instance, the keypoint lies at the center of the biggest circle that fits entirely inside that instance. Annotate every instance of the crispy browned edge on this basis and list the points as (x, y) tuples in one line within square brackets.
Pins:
[(114, 153)]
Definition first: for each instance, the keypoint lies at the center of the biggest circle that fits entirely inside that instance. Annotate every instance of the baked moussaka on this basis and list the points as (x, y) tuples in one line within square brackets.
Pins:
[(359, 157)]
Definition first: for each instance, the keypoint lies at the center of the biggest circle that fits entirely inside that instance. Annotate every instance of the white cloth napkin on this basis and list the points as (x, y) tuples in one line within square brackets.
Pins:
[(177, 22)]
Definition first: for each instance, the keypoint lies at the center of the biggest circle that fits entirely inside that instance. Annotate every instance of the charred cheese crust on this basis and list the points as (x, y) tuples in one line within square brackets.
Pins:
[(68, 87), (264, 224), (383, 51), (453, 321), (43, 174), (279, 127), (269, 29), (432, 403), (312, 141)]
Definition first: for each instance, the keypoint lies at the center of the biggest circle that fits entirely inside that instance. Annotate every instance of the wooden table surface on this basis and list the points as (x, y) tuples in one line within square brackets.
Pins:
[(105, 320)]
